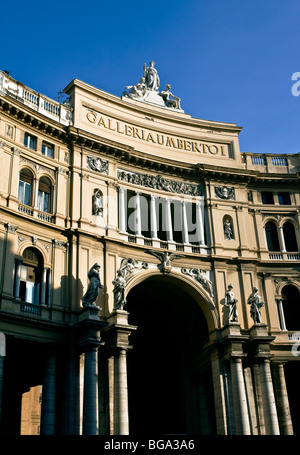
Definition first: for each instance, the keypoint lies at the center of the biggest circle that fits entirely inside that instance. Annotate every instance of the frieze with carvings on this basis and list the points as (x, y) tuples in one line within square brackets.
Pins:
[(225, 192), (158, 182), (97, 164)]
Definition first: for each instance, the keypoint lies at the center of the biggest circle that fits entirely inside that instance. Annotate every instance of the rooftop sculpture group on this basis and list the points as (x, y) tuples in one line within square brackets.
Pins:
[(147, 89)]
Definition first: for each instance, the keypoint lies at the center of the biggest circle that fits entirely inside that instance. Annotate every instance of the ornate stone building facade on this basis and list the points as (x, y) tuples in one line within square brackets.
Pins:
[(150, 271)]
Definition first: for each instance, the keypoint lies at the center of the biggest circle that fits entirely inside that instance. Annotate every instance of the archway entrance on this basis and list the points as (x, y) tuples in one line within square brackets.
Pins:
[(169, 377)]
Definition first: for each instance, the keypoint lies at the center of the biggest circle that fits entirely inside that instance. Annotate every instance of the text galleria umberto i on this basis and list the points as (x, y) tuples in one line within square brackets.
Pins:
[(150, 274)]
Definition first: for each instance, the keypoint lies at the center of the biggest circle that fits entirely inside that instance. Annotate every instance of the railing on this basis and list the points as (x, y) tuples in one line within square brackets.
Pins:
[(284, 256), (30, 308), (294, 336), (40, 215), (278, 161), (31, 97), (258, 160), (45, 217), (25, 209), (40, 103)]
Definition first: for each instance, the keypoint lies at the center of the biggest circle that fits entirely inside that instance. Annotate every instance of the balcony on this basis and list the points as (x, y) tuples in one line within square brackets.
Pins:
[(43, 216), (56, 111), (284, 256)]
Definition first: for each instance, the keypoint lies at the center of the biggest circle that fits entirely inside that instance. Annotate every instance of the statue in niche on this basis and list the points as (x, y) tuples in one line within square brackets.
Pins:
[(256, 304), (97, 203), (165, 94), (230, 302), (227, 230), (151, 77), (139, 90), (94, 285)]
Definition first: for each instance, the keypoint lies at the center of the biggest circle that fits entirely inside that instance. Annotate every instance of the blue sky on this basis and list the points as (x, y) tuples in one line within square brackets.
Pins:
[(228, 60)]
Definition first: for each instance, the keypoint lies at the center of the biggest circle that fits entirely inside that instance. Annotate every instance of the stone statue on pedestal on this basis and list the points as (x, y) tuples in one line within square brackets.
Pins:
[(256, 303), (147, 90), (93, 288), (119, 290), (230, 302), (151, 77), (165, 94)]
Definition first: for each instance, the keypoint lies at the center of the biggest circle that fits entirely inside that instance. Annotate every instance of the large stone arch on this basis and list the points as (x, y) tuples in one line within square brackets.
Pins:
[(189, 285), (169, 367)]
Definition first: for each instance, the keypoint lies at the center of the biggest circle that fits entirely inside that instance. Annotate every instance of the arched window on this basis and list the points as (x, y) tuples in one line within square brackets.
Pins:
[(290, 236), (31, 269), (291, 307), (25, 187), (44, 195), (272, 236)]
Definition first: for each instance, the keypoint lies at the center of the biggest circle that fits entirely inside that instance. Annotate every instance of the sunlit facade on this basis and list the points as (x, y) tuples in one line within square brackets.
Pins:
[(179, 221)]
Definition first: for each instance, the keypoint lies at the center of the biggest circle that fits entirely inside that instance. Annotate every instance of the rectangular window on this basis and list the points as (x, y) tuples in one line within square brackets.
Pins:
[(30, 141), (44, 201), (24, 193), (267, 197), (47, 150), (284, 198)]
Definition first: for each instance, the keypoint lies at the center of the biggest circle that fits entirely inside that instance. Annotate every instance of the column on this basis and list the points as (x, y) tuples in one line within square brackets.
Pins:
[(122, 210), (1, 382), (270, 412), (49, 286), (185, 229), (200, 223), (43, 287), (138, 221), (35, 193), (259, 400), (72, 393), (53, 203), (89, 426), (281, 240), (49, 396), (281, 314), (239, 397), (153, 217), (103, 392), (282, 401), (17, 279), (168, 218), (121, 419)]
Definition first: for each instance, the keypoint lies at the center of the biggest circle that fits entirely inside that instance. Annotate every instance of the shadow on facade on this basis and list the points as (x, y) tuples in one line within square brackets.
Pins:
[(32, 339)]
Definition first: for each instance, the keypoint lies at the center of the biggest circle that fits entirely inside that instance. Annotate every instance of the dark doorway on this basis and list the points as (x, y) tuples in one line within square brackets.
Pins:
[(291, 307), (161, 373)]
